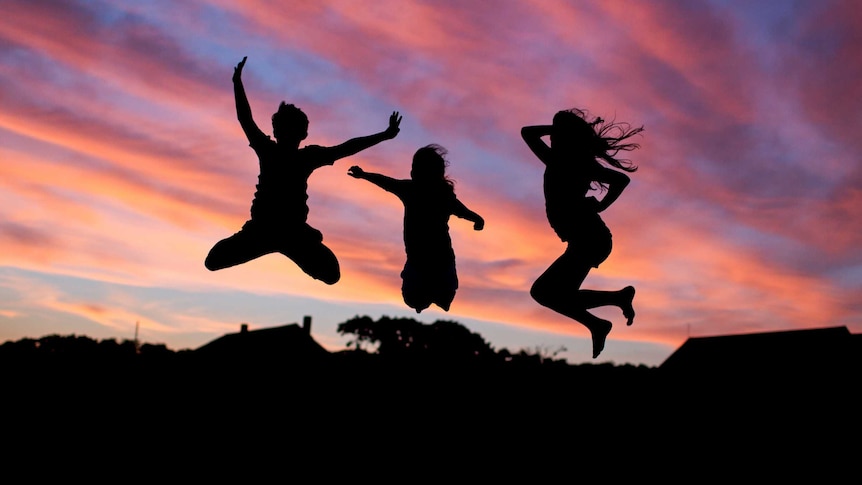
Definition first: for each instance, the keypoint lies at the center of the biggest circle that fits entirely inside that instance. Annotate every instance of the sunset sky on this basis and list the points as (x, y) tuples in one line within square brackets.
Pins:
[(122, 162)]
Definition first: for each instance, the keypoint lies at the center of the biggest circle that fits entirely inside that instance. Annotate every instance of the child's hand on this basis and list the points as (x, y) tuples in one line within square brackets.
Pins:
[(237, 71), (355, 171), (394, 125), (479, 225)]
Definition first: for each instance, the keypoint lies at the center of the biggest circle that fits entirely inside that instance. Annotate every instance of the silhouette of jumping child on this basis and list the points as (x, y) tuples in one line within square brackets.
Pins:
[(429, 199), (279, 210), (572, 168)]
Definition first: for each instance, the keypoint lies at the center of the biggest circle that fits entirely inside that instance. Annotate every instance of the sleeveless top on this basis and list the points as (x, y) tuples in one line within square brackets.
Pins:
[(566, 184)]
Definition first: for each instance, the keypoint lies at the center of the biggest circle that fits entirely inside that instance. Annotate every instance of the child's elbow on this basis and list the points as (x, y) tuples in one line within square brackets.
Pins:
[(621, 180)]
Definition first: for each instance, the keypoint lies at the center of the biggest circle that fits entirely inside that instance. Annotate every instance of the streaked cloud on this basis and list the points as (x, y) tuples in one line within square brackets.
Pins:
[(123, 163)]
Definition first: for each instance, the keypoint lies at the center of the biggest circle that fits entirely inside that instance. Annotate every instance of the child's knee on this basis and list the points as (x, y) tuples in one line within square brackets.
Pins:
[(212, 263), (549, 295), (538, 293), (329, 274), (415, 300), (330, 278)]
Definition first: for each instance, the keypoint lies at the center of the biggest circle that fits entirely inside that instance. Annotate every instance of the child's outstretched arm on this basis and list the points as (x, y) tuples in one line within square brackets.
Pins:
[(464, 213), (356, 145), (243, 109), (532, 135), (382, 181)]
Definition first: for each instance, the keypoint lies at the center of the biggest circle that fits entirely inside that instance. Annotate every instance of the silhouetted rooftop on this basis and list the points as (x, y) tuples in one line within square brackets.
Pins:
[(286, 342), (819, 348)]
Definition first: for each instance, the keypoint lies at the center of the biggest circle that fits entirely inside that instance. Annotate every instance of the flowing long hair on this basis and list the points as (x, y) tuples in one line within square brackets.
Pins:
[(429, 166), (606, 138)]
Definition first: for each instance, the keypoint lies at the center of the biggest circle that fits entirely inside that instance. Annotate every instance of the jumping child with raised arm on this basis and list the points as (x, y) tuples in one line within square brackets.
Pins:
[(279, 210)]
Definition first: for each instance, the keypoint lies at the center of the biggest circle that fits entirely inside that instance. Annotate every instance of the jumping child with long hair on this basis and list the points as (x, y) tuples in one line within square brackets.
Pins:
[(572, 169), (429, 199)]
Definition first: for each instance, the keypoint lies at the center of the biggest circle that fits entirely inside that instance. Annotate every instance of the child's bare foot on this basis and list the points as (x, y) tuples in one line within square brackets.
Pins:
[(600, 334), (628, 295)]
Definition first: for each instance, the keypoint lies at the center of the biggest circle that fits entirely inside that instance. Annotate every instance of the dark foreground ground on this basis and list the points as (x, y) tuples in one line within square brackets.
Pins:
[(348, 398), (367, 415)]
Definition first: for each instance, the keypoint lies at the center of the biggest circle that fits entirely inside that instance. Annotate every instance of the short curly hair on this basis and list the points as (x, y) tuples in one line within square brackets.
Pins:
[(290, 119)]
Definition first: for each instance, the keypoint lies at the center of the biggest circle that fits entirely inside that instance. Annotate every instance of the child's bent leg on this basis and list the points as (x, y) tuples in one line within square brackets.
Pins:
[(627, 299), (599, 330), (557, 289), (237, 249), (304, 246), (445, 297), (622, 299), (317, 261), (559, 285), (598, 327), (415, 295), (445, 287)]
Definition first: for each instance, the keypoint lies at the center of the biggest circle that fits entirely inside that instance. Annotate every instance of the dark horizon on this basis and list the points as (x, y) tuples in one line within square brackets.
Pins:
[(827, 344), (237, 397)]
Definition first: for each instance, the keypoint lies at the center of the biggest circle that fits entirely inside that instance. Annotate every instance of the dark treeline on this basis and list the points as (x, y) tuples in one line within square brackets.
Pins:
[(409, 384), (385, 346), (388, 354), (391, 355)]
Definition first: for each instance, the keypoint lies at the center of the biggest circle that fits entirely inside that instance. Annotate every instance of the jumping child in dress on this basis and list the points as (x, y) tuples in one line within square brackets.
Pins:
[(429, 199), (279, 211), (572, 168)]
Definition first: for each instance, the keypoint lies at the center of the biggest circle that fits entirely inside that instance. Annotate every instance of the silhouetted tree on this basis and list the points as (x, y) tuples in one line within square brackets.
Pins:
[(405, 337)]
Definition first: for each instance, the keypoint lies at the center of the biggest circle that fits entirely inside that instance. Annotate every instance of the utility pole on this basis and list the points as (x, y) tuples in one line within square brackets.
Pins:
[(137, 342)]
